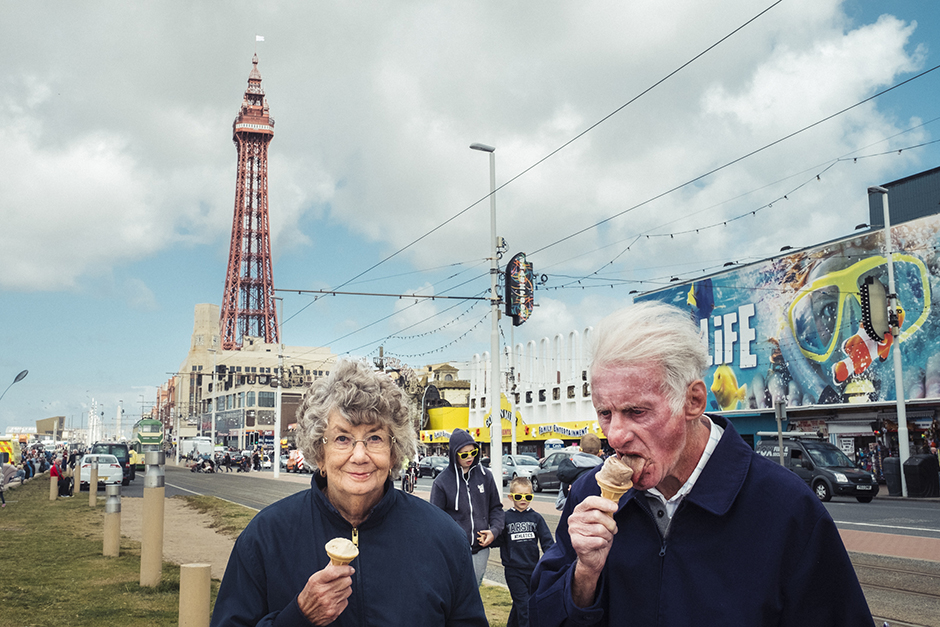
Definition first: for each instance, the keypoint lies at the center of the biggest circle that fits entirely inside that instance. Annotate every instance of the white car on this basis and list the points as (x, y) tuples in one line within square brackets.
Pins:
[(109, 470), (518, 466)]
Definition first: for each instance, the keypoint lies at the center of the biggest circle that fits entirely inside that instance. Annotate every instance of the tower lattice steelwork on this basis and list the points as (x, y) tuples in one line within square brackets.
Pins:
[(248, 307)]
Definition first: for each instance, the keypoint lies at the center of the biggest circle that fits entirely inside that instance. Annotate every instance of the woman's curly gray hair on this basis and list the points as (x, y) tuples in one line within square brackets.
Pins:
[(362, 396)]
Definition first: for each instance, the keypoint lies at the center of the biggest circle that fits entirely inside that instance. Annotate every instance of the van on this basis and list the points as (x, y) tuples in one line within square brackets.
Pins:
[(825, 469), (9, 450)]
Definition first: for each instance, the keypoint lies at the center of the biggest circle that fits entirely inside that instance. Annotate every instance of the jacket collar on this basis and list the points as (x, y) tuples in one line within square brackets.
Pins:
[(724, 474), (320, 503)]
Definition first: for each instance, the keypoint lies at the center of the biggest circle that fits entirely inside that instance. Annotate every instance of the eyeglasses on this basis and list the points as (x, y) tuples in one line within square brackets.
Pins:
[(823, 311), (520, 497), (374, 442), (467, 454)]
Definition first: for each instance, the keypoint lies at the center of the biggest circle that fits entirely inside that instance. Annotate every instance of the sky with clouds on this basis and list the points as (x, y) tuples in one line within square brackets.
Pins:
[(628, 135)]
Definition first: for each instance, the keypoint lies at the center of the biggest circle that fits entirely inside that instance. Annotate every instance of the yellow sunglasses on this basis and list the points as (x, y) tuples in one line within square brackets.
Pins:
[(467, 454), (521, 497), (817, 314)]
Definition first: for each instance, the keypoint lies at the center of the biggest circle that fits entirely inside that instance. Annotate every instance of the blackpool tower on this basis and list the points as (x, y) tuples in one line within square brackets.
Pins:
[(248, 307)]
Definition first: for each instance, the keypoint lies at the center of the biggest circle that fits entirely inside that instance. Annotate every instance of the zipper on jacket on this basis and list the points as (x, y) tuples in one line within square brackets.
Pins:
[(649, 512), (355, 536)]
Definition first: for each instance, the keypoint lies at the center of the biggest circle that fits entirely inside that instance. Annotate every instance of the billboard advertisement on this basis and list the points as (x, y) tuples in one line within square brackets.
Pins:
[(792, 327)]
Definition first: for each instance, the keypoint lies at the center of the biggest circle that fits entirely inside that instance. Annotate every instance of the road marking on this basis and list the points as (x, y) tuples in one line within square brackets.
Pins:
[(215, 497), (842, 522)]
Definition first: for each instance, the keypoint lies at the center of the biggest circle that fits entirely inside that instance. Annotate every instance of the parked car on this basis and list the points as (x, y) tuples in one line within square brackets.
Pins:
[(432, 466), (110, 471), (518, 466), (545, 476), (824, 468), (123, 453)]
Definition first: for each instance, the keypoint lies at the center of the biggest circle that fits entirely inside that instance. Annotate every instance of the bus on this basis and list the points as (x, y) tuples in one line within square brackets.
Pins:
[(146, 436)]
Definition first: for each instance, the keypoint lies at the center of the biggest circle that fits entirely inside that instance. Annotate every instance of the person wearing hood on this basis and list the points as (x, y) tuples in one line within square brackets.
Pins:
[(467, 492)]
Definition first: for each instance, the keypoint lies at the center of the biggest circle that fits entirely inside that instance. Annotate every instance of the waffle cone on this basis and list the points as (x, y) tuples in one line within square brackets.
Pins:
[(339, 561), (613, 492)]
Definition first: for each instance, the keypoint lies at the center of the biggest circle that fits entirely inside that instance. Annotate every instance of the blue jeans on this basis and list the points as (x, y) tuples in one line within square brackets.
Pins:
[(479, 564)]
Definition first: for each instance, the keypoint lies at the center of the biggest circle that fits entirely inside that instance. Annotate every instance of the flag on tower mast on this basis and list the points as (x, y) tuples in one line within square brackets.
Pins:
[(259, 37)]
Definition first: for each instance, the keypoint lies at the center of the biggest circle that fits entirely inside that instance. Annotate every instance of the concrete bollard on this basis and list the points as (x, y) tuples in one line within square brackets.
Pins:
[(112, 522), (194, 595), (53, 487), (151, 546), (93, 484)]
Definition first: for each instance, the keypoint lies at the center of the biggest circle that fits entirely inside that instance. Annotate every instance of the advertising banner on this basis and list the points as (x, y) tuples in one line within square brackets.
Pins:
[(792, 326)]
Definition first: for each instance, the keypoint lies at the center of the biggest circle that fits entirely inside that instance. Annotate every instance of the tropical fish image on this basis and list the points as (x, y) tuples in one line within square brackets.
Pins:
[(861, 350), (726, 390)]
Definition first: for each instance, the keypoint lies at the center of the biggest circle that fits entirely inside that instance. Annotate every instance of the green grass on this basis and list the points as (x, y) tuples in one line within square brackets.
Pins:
[(227, 517), (52, 571), (497, 603)]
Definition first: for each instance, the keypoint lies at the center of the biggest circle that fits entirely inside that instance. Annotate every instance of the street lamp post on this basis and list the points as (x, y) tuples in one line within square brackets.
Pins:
[(276, 454), (496, 423), (903, 443), (18, 378)]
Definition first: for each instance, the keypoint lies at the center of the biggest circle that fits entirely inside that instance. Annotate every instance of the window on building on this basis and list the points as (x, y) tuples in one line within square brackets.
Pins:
[(265, 399), (448, 377), (241, 400), (250, 399)]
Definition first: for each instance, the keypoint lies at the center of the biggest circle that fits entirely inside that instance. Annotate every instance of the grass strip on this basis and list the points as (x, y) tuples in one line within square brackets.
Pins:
[(53, 572)]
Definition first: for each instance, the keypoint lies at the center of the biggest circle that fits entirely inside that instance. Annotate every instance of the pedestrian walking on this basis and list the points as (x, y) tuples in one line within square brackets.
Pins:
[(467, 491), (524, 531)]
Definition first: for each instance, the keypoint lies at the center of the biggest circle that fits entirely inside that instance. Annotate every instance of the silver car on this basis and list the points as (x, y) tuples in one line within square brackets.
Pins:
[(518, 466), (110, 471)]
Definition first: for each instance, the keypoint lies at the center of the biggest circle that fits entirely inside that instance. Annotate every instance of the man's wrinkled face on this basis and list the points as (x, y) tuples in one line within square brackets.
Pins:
[(636, 417)]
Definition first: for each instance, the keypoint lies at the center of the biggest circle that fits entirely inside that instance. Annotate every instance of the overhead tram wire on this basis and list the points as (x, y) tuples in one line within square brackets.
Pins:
[(734, 161), (552, 153), (828, 165)]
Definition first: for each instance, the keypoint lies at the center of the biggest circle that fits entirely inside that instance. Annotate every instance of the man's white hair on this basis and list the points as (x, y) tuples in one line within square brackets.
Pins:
[(652, 333)]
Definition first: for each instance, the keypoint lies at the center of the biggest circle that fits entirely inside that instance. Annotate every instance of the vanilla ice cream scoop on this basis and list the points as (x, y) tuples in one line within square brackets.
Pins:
[(341, 551)]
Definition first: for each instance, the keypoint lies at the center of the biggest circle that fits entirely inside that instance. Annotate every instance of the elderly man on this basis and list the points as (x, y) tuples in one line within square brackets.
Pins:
[(711, 533)]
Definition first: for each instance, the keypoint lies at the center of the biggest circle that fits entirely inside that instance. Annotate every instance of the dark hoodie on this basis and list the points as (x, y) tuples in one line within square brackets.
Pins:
[(473, 502)]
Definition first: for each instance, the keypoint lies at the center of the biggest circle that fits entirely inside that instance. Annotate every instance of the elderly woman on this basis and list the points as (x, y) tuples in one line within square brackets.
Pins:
[(413, 566)]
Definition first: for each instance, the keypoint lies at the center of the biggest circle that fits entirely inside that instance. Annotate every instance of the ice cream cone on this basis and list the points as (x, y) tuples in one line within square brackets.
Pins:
[(613, 492), (341, 551)]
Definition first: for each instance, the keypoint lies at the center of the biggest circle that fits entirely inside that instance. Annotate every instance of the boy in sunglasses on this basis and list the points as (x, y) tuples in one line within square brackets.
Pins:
[(467, 491), (525, 530)]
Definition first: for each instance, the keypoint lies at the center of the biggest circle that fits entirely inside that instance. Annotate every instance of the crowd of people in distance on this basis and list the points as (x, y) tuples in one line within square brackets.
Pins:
[(35, 460), (225, 461)]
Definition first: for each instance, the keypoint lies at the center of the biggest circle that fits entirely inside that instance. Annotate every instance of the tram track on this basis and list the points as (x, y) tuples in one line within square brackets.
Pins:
[(902, 592)]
